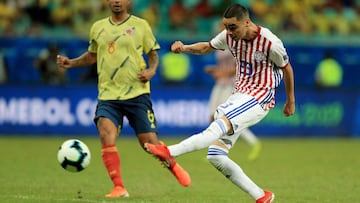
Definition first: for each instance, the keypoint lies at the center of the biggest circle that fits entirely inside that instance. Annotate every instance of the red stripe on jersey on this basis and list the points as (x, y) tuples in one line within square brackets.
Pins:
[(262, 79), (258, 65), (256, 75), (268, 76), (238, 55), (272, 65), (250, 57), (249, 54)]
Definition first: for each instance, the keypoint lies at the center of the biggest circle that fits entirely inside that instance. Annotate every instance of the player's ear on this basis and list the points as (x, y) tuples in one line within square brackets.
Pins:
[(247, 22)]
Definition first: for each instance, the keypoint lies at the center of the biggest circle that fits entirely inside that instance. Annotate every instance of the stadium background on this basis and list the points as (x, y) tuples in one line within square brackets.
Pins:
[(309, 29)]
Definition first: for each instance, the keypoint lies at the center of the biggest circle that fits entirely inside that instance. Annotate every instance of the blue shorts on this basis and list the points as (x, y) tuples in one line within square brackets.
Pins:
[(137, 110)]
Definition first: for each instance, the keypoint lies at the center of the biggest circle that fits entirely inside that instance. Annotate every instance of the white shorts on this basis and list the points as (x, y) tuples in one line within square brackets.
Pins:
[(242, 110)]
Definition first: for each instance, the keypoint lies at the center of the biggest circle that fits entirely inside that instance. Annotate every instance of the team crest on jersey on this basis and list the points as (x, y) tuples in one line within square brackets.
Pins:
[(259, 56), (129, 31), (285, 57)]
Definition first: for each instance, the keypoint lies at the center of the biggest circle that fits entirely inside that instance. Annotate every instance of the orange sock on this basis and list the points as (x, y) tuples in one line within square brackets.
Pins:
[(111, 159)]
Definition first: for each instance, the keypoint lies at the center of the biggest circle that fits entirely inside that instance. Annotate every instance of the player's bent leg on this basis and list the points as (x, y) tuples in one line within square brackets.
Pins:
[(218, 157), (162, 153)]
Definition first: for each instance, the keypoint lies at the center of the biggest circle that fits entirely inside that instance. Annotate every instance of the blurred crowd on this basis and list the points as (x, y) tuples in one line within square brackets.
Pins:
[(58, 18), (68, 18)]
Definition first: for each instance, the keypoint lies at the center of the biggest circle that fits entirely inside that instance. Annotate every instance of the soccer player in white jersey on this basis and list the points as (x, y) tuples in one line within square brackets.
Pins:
[(261, 63), (223, 73)]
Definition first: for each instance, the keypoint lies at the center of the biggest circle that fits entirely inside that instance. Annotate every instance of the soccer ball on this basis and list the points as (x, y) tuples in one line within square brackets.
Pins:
[(74, 155)]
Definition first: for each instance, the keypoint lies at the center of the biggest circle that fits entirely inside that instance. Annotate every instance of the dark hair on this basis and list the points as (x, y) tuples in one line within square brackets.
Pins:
[(236, 10)]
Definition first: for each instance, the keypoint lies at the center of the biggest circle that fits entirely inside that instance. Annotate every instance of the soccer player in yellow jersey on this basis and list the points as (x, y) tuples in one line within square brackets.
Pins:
[(117, 44)]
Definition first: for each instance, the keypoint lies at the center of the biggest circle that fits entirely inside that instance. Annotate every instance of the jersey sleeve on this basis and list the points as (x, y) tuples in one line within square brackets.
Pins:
[(149, 43), (278, 54), (219, 41), (92, 42)]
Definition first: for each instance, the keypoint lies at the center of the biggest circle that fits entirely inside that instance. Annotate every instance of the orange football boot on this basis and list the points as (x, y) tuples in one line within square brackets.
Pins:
[(163, 154)]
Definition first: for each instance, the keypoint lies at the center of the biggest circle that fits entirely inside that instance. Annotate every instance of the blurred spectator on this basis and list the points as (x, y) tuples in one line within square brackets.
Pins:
[(352, 15), (63, 13), (260, 9), (272, 19), (39, 14), (175, 68), (152, 14), (49, 70), (203, 9), (321, 24), (87, 14), (329, 72), (356, 21), (3, 69), (339, 24), (221, 6), (63, 18), (296, 18), (7, 18), (180, 16)]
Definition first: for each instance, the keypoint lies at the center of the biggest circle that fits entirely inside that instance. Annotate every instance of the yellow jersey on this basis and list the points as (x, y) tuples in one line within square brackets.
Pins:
[(120, 49)]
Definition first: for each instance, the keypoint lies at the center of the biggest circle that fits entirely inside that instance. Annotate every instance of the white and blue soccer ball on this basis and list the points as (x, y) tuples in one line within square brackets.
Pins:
[(74, 155)]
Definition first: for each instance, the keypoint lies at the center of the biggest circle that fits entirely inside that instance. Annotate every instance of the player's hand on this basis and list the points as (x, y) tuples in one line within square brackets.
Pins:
[(289, 108), (63, 61), (177, 47), (146, 75), (209, 69)]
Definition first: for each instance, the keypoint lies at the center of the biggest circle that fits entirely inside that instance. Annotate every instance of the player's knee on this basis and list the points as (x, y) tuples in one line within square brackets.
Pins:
[(215, 155), (218, 114), (213, 159)]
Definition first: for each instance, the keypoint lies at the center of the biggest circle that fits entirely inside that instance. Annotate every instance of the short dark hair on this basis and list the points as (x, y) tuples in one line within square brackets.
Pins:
[(236, 10)]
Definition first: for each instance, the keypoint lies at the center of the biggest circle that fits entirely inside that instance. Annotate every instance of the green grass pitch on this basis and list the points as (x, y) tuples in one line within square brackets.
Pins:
[(297, 170)]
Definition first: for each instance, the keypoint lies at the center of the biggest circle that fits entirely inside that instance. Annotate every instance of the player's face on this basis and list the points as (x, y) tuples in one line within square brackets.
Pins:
[(119, 6), (236, 29)]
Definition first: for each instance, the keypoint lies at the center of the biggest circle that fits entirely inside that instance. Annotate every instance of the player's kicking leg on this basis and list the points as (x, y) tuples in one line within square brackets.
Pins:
[(267, 198), (163, 154)]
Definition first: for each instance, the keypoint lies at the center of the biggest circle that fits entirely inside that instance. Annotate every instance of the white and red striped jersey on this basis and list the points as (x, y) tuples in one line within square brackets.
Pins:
[(259, 64)]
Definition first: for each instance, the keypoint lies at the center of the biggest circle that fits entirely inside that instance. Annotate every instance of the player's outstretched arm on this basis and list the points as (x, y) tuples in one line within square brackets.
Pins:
[(198, 48), (85, 59), (289, 107)]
